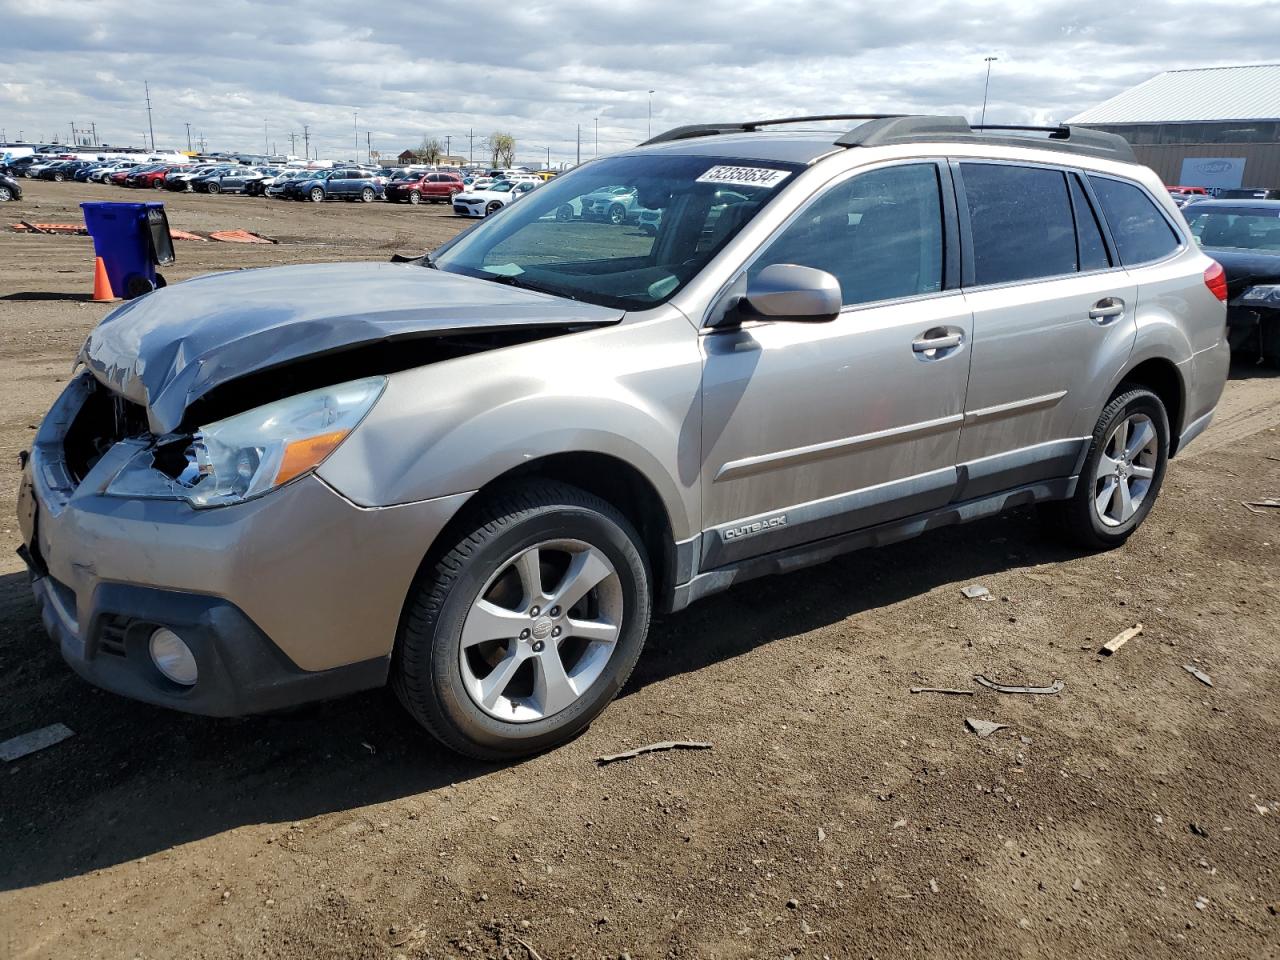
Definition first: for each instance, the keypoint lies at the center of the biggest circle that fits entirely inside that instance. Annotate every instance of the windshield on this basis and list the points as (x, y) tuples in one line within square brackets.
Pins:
[(566, 239), (1236, 229)]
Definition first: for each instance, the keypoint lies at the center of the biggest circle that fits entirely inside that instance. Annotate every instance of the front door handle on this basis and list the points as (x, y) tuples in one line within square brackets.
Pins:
[(1106, 310), (937, 343)]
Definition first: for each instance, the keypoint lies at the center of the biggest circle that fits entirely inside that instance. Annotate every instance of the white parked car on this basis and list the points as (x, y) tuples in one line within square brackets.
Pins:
[(480, 203)]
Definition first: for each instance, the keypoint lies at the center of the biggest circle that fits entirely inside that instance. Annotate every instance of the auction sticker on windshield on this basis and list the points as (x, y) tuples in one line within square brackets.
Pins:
[(744, 176)]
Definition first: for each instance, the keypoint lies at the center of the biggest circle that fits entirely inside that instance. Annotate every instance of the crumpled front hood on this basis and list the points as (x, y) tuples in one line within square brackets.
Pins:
[(169, 348)]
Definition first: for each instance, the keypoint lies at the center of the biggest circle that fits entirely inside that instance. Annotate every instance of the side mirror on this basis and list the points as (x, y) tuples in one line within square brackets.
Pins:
[(788, 291)]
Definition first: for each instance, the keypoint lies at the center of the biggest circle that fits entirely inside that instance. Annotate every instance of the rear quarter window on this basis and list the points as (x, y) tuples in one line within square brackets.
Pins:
[(1140, 231)]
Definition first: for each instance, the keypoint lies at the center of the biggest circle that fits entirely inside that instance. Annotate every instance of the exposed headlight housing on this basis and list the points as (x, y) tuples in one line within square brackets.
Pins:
[(252, 453)]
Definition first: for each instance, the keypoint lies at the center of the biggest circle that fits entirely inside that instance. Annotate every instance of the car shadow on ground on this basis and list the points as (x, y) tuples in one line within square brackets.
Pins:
[(136, 780), (48, 296)]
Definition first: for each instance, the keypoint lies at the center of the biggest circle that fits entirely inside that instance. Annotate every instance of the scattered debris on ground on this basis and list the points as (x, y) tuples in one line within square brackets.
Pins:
[(653, 748), (1198, 674), (66, 229), (27, 743), (951, 690), (1253, 505), (1054, 688), (240, 236), (984, 728), (1120, 639), (975, 591)]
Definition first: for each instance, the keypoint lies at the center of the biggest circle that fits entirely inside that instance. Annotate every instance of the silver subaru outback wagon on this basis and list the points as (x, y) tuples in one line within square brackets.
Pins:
[(475, 475)]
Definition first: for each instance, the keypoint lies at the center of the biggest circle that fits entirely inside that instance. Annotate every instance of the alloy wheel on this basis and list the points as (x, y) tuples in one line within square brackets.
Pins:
[(541, 631), (1125, 469)]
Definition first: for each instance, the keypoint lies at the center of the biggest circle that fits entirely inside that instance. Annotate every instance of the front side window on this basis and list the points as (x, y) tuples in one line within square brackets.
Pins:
[(1020, 220), (562, 239), (879, 234), (1141, 232)]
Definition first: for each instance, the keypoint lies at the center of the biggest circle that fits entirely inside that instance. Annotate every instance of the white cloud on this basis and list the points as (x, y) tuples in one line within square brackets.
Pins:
[(538, 70)]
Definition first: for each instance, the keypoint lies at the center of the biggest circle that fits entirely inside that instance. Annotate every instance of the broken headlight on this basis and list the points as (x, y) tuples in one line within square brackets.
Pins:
[(251, 453), (1262, 293)]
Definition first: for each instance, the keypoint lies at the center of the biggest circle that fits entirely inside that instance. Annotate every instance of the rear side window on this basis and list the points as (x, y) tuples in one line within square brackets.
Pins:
[(1093, 251), (1141, 232), (1021, 222)]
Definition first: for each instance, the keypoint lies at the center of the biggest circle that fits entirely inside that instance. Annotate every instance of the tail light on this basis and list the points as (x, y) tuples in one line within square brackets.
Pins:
[(1215, 278)]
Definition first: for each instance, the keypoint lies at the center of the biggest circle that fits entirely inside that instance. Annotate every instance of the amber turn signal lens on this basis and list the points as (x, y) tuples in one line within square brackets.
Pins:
[(301, 455)]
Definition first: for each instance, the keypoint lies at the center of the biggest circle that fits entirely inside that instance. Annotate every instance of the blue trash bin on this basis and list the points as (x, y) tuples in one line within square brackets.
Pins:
[(132, 239)]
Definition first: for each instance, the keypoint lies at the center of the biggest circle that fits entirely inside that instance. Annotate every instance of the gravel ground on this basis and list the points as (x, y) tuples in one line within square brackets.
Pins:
[(1137, 813)]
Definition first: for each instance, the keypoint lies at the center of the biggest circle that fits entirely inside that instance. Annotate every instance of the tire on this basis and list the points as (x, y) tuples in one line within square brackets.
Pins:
[(317, 195), (415, 198), (435, 679), (1081, 520), (493, 207), (58, 178), (564, 213), (5, 194), (157, 184), (366, 195), (212, 188), (617, 213)]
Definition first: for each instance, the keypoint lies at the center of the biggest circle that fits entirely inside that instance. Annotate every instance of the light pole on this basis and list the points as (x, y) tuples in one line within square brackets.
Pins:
[(597, 120), (189, 150), (266, 137), (355, 129), (985, 87), (650, 115)]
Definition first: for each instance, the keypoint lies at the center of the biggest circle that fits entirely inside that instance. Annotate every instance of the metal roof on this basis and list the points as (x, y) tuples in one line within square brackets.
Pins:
[(1203, 94)]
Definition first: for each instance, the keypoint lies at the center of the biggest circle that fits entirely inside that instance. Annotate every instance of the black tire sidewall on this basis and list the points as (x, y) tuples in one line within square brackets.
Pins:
[(453, 707), (1124, 405)]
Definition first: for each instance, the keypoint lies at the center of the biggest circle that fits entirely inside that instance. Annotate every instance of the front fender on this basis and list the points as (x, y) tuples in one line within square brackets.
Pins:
[(630, 391)]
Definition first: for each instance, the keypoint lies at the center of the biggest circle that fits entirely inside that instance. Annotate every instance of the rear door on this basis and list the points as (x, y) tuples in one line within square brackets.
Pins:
[(1053, 321), (811, 430)]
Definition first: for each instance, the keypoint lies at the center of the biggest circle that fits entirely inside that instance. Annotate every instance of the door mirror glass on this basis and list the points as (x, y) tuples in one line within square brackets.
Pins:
[(788, 291)]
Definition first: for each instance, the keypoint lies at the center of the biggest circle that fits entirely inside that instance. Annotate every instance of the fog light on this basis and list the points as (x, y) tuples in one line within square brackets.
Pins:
[(173, 657)]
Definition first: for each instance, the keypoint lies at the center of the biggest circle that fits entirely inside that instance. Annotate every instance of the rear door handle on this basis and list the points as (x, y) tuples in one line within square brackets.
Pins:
[(1106, 310)]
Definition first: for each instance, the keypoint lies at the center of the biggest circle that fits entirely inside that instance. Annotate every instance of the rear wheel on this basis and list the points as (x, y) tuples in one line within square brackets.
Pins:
[(366, 195), (1122, 473), (518, 636)]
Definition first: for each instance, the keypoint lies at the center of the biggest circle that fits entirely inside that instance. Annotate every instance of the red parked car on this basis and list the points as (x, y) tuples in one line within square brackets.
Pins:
[(148, 177), (416, 187)]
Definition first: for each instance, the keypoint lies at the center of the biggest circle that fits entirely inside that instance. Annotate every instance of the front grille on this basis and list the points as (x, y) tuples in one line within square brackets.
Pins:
[(104, 419)]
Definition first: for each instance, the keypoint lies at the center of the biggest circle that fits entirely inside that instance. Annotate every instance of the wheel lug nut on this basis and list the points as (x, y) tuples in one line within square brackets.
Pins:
[(539, 647), (524, 634), (555, 631), (534, 611), (555, 611)]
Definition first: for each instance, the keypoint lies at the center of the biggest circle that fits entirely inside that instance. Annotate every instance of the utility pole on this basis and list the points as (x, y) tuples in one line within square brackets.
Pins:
[(548, 158), (368, 147), (189, 150), (266, 137), (650, 115), (985, 88), (293, 143), (73, 133), (306, 140), (597, 136), (94, 127), (147, 87), (471, 135), (202, 141), (447, 141), (579, 154), (355, 128)]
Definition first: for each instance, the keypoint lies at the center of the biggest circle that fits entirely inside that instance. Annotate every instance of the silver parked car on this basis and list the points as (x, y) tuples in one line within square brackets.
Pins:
[(476, 475)]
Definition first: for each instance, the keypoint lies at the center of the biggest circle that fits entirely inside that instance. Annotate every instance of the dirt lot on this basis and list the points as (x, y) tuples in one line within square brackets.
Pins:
[(837, 814)]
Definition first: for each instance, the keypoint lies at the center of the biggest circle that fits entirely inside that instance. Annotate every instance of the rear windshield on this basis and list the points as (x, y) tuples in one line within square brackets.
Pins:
[(575, 238)]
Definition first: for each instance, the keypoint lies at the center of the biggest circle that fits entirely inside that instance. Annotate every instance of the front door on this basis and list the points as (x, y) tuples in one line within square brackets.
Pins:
[(813, 430)]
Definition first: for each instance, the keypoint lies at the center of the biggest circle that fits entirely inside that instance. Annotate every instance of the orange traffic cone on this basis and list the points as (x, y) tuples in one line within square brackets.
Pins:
[(101, 282)]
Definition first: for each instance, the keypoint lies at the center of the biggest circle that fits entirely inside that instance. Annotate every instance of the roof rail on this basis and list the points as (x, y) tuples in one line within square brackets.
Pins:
[(751, 126), (881, 129), (1063, 138)]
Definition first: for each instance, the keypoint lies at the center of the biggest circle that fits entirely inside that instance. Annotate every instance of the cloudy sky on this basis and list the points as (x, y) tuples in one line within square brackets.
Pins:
[(248, 73)]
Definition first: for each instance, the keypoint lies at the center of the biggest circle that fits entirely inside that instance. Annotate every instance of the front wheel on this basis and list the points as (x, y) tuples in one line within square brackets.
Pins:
[(317, 195), (492, 208), (415, 198), (520, 634), (212, 188), (58, 178), (617, 213), (5, 194), (157, 184), (1122, 473)]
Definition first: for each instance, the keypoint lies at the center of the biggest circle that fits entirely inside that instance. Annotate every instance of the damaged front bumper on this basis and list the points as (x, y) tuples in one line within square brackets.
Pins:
[(292, 597)]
